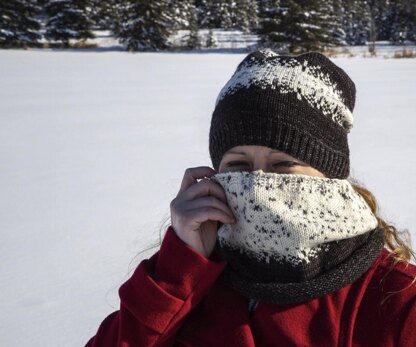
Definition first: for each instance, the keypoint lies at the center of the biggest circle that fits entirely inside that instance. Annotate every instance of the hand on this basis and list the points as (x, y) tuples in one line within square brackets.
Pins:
[(197, 208)]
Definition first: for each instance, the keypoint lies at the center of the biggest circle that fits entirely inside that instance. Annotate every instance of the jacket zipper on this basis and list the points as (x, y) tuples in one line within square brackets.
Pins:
[(252, 305)]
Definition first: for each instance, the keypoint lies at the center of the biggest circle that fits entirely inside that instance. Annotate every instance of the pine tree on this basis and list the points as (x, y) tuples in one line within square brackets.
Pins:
[(357, 21), (117, 15), (182, 12), (402, 16), (68, 19), (332, 12), (218, 14), (192, 40), (380, 23), (296, 25), (103, 13), (244, 15), (268, 14), (144, 25), (18, 24), (202, 10), (253, 18)]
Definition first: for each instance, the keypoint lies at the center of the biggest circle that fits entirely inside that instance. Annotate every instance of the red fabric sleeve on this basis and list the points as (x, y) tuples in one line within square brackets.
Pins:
[(156, 299)]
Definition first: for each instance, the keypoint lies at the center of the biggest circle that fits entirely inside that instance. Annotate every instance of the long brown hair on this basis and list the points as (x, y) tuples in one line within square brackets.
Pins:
[(398, 242)]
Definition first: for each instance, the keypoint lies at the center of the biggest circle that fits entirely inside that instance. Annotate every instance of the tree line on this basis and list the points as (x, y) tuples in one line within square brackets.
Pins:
[(146, 25)]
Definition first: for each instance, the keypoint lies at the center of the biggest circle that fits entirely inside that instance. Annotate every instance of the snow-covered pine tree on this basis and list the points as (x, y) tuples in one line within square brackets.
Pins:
[(192, 39), (218, 14), (321, 26), (117, 15), (253, 18), (144, 25), (244, 15), (225, 11), (379, 10), (202, 10), (332, 12), (268, 15), (182, 12), (357, 21), (68, 19), (103, 13), (297, 26), (18, 24), (402, 17)]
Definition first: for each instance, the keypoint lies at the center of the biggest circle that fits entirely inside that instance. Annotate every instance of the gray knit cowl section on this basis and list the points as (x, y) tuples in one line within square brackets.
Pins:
[(297, 237)]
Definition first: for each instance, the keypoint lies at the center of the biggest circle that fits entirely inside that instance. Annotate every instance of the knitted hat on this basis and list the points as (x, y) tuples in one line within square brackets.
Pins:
[(301, 105)]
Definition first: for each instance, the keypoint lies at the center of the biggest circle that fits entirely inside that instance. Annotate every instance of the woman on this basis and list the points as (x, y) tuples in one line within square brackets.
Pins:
[(274, 246)]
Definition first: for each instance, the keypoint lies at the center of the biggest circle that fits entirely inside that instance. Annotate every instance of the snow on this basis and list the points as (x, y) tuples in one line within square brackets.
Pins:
[(93, 148), (234, 41), (7, 32), (225, 39)]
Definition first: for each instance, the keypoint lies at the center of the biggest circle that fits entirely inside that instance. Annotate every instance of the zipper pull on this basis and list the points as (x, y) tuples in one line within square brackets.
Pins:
[(252, 304)]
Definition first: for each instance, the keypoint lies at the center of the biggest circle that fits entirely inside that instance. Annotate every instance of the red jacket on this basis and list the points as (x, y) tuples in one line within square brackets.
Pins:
[(173, 299)]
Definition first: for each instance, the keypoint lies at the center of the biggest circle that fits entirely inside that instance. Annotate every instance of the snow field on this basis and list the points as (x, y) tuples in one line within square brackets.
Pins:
[(93, 147)]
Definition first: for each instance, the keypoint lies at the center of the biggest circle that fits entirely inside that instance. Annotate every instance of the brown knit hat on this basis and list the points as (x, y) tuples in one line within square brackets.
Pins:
[(301, 105)]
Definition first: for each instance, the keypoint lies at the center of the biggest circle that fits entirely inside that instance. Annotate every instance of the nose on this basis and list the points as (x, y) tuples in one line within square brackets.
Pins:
[(260, 166)]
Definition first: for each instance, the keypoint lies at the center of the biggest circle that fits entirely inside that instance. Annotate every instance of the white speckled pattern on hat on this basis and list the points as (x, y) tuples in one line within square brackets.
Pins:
[(308, 81)]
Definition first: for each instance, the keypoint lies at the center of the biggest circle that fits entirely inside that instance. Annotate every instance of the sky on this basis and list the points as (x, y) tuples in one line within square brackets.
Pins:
[(93, 148)]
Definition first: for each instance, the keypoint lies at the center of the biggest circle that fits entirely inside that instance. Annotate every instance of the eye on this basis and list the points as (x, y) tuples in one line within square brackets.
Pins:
[(236, 163)]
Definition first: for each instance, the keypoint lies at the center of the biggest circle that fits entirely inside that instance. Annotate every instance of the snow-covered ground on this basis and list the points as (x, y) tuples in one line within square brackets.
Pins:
[(232, 41), (93, 148)]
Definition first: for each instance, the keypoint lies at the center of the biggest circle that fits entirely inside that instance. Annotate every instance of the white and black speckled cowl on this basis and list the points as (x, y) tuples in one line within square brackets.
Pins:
[(297, 237)]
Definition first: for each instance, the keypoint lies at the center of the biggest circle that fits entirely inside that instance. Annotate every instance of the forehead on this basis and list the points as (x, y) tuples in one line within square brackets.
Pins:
[(250, 149)]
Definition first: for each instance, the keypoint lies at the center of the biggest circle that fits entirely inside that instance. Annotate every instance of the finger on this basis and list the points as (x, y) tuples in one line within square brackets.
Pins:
[(191, 176), (207, 201), (203, 214), (205, 187)]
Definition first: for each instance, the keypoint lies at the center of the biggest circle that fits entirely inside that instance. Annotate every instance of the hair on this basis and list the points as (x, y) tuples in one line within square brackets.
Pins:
[(397, 242)]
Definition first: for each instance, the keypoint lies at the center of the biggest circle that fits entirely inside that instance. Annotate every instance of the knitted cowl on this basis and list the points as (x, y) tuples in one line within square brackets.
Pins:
[(297, 237)]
